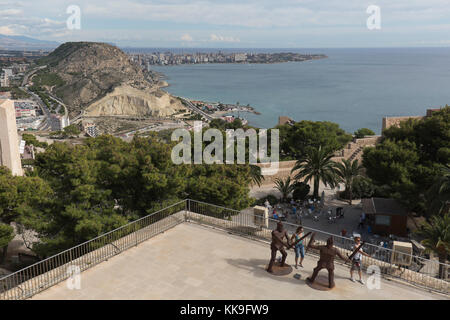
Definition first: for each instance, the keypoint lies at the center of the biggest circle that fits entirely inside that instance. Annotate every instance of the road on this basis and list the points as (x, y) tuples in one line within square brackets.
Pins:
[(44, 108), (29, 74), (191, 106), (47, 113), (66, 115)]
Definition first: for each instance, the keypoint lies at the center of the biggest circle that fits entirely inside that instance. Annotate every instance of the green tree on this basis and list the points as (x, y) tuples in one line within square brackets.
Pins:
[(301, 191), (409, 159), (437, 239), (31, 140), (285, 187), (224, 125), (256, 175), (346, 172), (438, 196), (224, 185), (361, 133), (20, 198), (106, 182), (6, 236), (295, 140), (71, 131), (316, 165)]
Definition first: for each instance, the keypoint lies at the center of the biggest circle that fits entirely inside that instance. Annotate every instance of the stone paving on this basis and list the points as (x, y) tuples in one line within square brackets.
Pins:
[(196, 262)]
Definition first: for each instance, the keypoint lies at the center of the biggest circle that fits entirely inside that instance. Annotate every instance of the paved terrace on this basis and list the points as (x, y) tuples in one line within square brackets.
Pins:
[(191, 261)]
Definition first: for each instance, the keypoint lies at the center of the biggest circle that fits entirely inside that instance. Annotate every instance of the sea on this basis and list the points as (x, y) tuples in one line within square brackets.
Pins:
[(355, 88)]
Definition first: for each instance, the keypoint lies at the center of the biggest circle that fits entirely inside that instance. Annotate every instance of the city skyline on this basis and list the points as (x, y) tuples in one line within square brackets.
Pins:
[(248, 24)]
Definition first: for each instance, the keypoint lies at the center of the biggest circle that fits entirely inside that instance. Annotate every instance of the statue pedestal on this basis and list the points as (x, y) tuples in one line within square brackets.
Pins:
[(278, 270), (320, 283)]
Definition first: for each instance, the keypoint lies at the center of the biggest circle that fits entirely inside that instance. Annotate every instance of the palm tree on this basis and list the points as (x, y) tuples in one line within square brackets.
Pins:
[(285, 187), (256, 175), (439, 193), (317, 165), (346, 172), (437, 238)]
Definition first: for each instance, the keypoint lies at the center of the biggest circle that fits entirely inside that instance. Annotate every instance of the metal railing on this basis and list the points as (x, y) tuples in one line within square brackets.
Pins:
[(48, 272), (421, 272), (33, 279)]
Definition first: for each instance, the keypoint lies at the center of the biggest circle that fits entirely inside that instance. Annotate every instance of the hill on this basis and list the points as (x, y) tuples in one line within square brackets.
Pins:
[(100, 79)]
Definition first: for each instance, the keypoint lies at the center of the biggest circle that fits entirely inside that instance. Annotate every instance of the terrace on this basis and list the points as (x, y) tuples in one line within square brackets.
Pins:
[(194, 250)]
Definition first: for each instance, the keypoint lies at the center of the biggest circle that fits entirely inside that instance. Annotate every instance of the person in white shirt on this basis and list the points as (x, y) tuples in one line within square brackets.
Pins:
[(356, 260)]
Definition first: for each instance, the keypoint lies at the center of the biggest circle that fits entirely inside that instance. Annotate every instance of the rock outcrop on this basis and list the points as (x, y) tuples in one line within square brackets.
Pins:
[(100, 79)]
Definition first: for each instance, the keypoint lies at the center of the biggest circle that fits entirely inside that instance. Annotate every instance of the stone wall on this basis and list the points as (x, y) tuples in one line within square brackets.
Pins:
[(395, 121)]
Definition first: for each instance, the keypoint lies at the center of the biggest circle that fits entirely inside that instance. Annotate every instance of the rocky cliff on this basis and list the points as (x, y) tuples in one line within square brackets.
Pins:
[(100, 79)]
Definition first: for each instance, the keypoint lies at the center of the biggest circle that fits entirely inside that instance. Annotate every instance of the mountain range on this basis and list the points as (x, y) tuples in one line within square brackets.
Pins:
[(25, 43)]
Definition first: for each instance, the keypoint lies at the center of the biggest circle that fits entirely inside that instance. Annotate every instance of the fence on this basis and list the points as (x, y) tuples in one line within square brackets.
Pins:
[(46, 273)]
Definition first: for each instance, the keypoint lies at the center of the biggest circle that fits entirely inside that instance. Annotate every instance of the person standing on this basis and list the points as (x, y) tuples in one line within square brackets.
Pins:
[(299, 247), (357, 260), (275, 214), (361, 222)]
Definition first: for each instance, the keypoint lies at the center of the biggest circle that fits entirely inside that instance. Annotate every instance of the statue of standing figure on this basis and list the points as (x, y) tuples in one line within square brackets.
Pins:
[(326, 260), (278, 245)]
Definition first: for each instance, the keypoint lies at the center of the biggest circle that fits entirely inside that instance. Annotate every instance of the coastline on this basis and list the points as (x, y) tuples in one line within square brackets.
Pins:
[(238, 63)]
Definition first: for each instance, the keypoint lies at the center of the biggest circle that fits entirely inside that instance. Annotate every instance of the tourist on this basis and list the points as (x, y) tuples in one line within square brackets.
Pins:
[(299, 247), (357, 260), (275, 215), (361, 222), (294, 210)]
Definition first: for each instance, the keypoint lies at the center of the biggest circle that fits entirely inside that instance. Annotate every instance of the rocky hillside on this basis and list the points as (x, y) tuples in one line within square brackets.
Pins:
[(100, 79)]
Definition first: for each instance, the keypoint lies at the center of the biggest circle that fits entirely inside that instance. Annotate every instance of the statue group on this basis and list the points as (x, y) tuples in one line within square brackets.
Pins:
[(327, 253)]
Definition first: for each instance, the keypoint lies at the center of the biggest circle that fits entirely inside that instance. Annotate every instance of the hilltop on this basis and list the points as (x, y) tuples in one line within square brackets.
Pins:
[(100, 79)]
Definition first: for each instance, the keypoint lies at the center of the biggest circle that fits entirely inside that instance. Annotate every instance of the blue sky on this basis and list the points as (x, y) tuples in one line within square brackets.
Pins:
[(233, 23)]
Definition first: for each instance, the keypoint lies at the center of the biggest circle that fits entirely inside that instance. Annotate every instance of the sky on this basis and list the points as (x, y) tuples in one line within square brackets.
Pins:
[(233, 23)]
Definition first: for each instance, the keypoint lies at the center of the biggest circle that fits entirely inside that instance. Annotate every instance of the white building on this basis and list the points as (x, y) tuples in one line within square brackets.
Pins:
[(90, 129), (9, 141), (8, 71), (4, 80), (240, 57)]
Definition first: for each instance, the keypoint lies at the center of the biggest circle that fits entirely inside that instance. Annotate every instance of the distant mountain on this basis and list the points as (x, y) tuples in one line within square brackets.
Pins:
[(24, 43)]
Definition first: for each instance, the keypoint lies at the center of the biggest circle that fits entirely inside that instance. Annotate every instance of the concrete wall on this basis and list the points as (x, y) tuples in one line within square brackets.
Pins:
[(9, 141)]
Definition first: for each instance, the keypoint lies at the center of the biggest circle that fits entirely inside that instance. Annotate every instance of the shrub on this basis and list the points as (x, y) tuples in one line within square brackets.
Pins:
[(301, 191), (361, 133), (362, 188)]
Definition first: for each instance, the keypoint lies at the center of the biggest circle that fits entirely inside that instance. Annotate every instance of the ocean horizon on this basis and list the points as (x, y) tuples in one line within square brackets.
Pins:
[(355, 88)]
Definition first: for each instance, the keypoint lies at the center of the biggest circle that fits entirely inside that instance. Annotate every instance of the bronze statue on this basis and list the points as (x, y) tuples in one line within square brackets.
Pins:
[(277, 244), (327, 255)]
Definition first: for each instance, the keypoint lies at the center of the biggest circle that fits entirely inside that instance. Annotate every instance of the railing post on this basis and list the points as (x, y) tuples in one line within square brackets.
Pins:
[(188, 209), (135, 233)]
